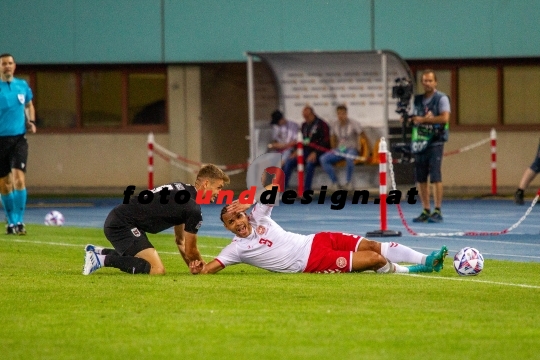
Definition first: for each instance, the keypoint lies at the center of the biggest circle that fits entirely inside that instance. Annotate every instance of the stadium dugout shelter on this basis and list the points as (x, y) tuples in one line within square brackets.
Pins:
[(361, 80)]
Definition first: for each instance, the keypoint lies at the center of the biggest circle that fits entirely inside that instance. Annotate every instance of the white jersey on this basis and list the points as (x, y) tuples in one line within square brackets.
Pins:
[(286, 133), (268, 246)]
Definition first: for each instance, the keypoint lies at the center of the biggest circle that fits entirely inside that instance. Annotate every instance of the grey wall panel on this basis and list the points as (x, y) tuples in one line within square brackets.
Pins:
[(134, 31), (115, 31), (326, 25), (38, 31), (219, 30), (434, 29), (516, 28)]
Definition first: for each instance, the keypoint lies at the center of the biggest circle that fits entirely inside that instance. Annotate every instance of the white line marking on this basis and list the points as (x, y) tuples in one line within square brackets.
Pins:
[(82, 246), (483, 253), (487, 241), (41, 242), (474, 280)]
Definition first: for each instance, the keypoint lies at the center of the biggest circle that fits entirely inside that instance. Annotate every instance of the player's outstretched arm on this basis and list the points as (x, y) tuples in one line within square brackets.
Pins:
[(181, 241), (197, 267), (192, 252), (187, 244)]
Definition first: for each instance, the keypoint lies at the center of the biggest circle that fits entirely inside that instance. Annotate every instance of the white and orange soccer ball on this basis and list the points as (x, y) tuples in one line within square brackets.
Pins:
[(54, 218), (468, 261)]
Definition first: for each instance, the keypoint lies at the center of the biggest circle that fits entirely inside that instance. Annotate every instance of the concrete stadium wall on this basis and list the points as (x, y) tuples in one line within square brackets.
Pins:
[(168, 31)]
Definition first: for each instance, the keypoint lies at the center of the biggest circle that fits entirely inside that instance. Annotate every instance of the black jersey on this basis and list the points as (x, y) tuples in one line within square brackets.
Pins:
[(155, 217)]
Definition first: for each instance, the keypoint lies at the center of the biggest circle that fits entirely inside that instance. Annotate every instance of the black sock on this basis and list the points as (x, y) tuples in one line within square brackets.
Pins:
[(438, 209), (427, 211), (128, 264), (106, 251)]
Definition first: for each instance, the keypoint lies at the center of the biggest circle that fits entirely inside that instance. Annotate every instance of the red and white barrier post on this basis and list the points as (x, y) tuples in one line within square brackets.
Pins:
[(150, 145), (383, 232), (493, 136), (382, 183), (300, 163)]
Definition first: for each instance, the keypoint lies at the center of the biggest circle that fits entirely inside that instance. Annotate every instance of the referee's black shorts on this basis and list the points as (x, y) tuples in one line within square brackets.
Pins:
[(13, 153), (126, 239)]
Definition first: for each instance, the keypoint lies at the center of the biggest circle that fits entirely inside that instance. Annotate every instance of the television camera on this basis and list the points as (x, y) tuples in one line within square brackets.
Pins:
[(403, 91)]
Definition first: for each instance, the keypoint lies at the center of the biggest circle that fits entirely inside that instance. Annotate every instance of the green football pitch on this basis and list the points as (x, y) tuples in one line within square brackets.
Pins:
[(48, 310)]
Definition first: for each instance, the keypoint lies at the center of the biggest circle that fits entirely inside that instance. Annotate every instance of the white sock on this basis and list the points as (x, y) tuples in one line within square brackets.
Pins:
[(400, 253), (401, 269), (101, 259), (387, 268)]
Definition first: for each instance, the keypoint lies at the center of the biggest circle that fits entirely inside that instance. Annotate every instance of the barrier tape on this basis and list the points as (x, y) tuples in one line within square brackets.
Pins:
[(361, 158), (172, 155), (180, 161), (179, 165), (459, 233), (468, 147), (336, 152)]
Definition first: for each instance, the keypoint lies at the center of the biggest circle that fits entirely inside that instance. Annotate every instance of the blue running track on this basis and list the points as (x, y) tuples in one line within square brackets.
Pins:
[(521, 244)]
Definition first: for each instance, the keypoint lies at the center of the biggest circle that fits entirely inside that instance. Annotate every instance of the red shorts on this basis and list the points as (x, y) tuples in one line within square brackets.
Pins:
[(332, 252)]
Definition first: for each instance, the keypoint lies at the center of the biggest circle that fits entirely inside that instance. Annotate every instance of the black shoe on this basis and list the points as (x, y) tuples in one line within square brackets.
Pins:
[(435, 217), (518, 197), (424, 217), (11, 230), (20, 228)]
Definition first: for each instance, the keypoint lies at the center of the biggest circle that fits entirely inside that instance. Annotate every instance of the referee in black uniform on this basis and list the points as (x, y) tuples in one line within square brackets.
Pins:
[(171, 205)]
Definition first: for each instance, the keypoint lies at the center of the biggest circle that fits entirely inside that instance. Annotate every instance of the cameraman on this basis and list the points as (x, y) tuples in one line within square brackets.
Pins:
[(430, 118)]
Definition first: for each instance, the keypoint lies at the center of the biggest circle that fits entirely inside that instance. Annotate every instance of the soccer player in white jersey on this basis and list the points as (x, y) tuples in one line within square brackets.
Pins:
[(261, 242)]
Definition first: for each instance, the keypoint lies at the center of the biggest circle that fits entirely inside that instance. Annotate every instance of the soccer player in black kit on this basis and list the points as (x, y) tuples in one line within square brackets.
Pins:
[(171, 205)]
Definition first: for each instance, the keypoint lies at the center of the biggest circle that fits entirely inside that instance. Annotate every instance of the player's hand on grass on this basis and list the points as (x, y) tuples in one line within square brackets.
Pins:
[(196, 266)]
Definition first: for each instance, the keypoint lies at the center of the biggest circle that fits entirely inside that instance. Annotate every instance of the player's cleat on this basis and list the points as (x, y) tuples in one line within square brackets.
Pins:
[(21, 229), (11, 229), (435, 217), (518, 197), (91, 263), (94, 248), (424, 217), (436, 259), (420, 269)]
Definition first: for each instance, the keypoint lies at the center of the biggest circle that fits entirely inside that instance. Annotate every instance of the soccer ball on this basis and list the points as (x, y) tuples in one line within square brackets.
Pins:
[(468, 261), (54, 218)]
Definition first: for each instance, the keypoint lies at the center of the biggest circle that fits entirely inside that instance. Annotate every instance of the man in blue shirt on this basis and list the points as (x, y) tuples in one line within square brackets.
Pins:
[(17, 115), (429, 133)]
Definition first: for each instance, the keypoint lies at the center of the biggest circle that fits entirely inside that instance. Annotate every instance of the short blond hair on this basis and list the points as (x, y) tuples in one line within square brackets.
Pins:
[(212, 172)]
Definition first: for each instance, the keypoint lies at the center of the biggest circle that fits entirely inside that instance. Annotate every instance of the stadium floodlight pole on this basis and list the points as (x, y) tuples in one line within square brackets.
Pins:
[(251, 108), (493, 136), (150, 145), (300, 163), (383, 232)]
